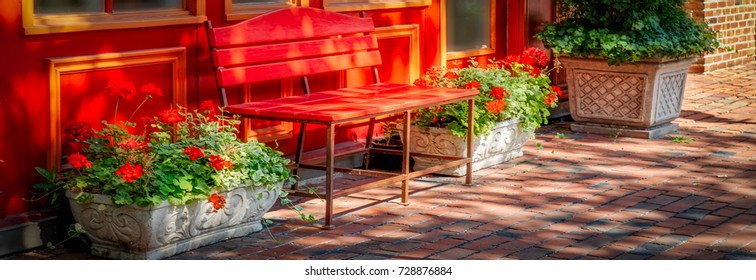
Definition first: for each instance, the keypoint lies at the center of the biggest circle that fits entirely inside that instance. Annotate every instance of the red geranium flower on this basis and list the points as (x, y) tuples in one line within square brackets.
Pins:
[(512, 59), (536, 57), (550, 99), (218, 201), (171, 116), (473, 85), (78, 161), (558, 90), (124, 90), (194, 153), (129, 172), (527, 60), (208, 108), (499, 92), (535, 71), (219, 162), (421, 82), (451, 75), (496, 106), (151, 90), (81, 131)]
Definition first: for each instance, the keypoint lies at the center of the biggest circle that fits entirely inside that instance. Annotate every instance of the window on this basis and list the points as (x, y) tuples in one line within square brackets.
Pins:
[(42, 7), (468, 28), (58, 16), (244, 9)]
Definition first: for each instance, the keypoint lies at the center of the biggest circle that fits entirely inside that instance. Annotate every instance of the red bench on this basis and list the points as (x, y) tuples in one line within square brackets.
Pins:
[(297, 42)]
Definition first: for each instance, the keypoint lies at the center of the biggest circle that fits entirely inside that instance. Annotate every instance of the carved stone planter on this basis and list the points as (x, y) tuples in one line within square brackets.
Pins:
[(503, 143), (636, 100), (156, 232)]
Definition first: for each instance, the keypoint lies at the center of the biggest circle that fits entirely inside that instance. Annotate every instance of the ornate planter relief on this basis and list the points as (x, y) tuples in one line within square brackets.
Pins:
[(156, 232), (503, 143), (637, 100)]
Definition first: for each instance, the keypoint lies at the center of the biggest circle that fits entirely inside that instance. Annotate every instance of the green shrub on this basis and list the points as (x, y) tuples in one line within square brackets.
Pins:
[(625, 31)]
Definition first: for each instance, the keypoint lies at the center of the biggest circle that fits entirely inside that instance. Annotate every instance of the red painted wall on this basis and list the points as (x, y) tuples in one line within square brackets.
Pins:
[(24, 82)]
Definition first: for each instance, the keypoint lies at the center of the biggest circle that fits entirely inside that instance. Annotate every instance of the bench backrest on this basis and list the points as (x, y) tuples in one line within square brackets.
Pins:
[(291, 42)]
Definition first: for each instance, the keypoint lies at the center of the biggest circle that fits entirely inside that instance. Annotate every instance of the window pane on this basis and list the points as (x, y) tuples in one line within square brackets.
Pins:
[(68, 6), (142, 5), (260, 1), (468, 25)]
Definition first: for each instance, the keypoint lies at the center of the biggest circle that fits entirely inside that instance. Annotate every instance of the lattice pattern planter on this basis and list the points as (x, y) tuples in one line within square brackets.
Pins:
[(636, 100)]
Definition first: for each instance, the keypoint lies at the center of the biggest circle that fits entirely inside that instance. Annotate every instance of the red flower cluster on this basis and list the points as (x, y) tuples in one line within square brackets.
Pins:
[(124, 90), (535, 57), (194, 153), (81, 131), (535, 72), (421, 82), (558, 90), (496, 106), (218, 201), (473, 85), (550, 99), (499, 92), (78, 161), (208, 109), (129, 172), (219, 162), (451, 75), (151, 90), (171, 116)]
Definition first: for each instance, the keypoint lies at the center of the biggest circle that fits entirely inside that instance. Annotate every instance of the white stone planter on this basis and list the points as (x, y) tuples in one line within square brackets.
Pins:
[(156, 232), (503, 143), (636, 100)]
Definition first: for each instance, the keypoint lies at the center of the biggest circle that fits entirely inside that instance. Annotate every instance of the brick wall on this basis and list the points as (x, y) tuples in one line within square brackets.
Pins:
[(735, 21)]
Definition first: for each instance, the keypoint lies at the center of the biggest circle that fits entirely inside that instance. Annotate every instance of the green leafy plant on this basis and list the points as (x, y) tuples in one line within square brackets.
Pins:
[(681, 139), (178, 156), (389, 129), (517, 87), (626, 31)]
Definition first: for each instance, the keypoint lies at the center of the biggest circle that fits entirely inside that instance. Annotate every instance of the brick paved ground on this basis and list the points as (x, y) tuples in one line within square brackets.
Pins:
[(574, 196)]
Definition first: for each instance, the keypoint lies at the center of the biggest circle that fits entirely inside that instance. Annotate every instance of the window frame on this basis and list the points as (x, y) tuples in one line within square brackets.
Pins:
[(242, 11), (366, 5), (193, 13), (455, 55)]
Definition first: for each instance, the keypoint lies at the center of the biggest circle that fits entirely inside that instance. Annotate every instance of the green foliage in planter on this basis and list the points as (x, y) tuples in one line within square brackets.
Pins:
[(625, 31), (185, 157), (178, 156), (517, 87)]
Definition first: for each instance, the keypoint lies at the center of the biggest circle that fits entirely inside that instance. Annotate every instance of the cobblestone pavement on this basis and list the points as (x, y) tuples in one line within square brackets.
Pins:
[(571, 196)]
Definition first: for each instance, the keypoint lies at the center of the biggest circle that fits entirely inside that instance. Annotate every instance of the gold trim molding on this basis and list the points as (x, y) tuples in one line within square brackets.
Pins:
[(366, 5), (411, 31)]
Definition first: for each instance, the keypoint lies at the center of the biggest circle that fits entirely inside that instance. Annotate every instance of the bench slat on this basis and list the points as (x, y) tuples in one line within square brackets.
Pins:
[(288, 25), (294, 51), (296, 68)]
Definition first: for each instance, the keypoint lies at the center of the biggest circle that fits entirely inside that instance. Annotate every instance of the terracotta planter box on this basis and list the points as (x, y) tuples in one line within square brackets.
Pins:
[(503, 144), (156, 232), (636, 100)]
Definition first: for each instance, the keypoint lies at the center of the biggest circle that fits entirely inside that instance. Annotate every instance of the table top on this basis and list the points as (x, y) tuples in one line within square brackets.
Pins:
[(351, 103)]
